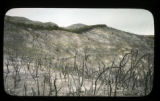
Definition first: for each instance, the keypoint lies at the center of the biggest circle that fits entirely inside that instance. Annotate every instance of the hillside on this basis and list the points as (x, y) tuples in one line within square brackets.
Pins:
[(79, 48), (76, 26)]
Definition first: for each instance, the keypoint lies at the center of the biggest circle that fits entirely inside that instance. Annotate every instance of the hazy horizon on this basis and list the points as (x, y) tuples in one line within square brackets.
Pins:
[(137, 21)]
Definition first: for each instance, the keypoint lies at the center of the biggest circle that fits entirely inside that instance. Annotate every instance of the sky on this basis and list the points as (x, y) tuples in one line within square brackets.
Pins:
[(137, 21)]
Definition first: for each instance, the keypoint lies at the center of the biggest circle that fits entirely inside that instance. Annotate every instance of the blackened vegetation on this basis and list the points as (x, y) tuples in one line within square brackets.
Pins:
[(25, 76), (86, 62)]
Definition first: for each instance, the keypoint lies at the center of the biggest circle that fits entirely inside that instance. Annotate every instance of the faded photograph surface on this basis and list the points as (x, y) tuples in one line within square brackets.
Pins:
[(78, 52)]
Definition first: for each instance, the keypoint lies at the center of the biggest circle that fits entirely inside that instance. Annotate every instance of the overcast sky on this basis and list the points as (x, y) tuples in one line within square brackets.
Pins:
[(138, 21)]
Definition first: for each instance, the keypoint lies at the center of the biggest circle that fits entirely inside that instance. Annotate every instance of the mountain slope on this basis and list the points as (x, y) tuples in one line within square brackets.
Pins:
[(77, 47), (76, 26), (104, 39)]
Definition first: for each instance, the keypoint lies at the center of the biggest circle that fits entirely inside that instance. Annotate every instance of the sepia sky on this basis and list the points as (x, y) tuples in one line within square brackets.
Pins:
[(138, 21)]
